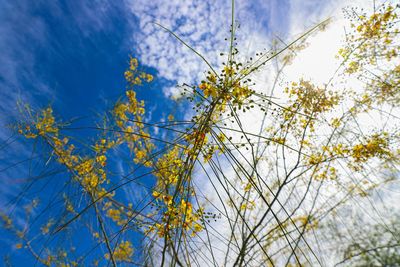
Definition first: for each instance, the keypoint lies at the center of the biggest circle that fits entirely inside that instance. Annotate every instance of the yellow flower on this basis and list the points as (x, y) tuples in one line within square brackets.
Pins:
[(114, 214), (156, 194), (123, 252)]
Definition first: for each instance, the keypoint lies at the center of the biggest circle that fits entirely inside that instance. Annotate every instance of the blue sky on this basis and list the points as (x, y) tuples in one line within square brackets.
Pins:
[(72, 54)]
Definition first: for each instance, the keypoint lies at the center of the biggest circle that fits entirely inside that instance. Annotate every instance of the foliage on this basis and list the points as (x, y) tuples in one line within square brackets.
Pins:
[(220, 188)]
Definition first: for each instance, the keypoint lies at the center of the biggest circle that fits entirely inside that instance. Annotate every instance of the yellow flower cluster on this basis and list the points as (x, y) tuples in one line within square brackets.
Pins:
[(227, 87), (103, 145), (315, 159), (123, 252), (386, 88), (338, 150), (89, 172), (46, 122), (329, 173), (43, 124), (177, 216), (376, 24), (129, 117), (374, 42), (169, 168), (114, 214), (135, 77), (310, 99), (375, 146), (209, 89), (120, 215)]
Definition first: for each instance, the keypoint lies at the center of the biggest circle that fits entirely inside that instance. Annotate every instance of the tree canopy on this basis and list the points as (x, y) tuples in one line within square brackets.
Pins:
[(296, 175)]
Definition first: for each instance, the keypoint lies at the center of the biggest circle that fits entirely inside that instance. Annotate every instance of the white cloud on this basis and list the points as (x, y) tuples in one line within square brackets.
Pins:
[(204, 25)]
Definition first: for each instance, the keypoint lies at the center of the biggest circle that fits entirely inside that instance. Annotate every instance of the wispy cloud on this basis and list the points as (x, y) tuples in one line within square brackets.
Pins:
[(204, 25), (28, 39), (20, 33), (31, 46)]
